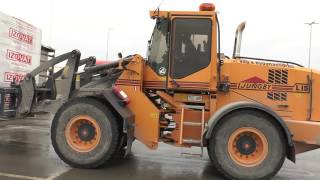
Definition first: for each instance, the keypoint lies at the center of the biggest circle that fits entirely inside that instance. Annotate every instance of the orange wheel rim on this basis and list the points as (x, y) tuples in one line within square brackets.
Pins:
[(248, 147), (83, 133)]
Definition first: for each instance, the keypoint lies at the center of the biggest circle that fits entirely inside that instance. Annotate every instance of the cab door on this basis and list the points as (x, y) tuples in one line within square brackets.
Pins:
[(191, 53)]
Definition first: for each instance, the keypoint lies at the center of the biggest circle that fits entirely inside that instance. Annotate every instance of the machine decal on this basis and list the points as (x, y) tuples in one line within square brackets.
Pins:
[(301, 88), (154, 84), (254, 83), (194, 98), (162, 71), (177, 84), (277, 85), (190, 85), (261, 63), (128, 82)]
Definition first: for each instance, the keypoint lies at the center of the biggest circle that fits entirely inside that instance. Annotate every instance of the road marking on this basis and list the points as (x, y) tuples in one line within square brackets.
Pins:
[(58, 174), (35, 178), (21, 176)]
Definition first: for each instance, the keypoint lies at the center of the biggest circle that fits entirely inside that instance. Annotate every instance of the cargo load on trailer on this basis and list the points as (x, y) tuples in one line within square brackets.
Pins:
[(20, 46)]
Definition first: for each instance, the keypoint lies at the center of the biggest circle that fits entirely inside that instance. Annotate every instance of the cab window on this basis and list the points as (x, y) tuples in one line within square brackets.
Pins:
[(191, 46), (158, 53)]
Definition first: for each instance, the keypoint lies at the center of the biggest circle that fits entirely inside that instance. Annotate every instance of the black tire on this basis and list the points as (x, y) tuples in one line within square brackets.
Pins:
[(220, 153), (105, 148)]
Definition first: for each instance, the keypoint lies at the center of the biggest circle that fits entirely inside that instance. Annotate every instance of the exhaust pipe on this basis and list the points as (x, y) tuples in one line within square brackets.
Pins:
[(237, 41)]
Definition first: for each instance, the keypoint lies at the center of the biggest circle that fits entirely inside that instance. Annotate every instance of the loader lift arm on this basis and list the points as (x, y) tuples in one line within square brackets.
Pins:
[(27, 89), (27, 97), (88, 62)]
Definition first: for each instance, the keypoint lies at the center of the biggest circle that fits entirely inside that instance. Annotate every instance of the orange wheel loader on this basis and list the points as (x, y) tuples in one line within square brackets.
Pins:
[(250, 113)]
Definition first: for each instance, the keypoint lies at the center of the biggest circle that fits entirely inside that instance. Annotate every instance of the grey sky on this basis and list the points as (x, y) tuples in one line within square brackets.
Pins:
[(275, 28)]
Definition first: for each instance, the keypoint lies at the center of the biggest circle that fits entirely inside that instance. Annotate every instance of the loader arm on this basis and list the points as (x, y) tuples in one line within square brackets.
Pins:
[(88, 62), (85, 77), (28, 89)]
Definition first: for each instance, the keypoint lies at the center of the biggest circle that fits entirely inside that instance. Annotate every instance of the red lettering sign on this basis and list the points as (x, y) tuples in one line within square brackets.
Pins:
[(9, 77), (19, 57), (20, 36)]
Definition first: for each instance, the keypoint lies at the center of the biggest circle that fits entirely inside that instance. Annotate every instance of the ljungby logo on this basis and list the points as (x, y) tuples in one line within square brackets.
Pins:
[(255, 83)]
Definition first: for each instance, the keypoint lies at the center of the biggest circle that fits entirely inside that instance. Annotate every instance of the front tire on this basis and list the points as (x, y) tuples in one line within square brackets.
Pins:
[(247, 145), (84, 133)]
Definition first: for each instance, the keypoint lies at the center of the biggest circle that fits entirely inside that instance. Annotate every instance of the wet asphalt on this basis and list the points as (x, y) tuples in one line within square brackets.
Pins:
[(26, 153)]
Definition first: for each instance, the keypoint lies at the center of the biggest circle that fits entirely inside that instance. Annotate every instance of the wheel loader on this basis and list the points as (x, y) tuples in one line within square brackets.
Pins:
[(250, 113)]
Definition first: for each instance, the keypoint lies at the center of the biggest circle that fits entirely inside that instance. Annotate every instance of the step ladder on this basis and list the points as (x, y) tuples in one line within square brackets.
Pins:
[(195, 124)]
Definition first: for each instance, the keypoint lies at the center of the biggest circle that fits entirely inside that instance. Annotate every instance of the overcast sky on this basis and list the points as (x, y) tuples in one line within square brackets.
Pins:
[(275, 28)]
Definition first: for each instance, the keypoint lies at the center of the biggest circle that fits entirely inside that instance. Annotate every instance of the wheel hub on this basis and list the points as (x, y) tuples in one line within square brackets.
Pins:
[(86, 132), (248, 146), (83, 133)]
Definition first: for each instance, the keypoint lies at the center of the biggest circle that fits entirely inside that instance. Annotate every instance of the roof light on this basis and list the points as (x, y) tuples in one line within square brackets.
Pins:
[(207, 7), (121, 95)]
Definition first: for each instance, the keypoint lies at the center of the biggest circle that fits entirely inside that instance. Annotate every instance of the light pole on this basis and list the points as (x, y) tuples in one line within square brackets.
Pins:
[(108, 42), (310, 40)]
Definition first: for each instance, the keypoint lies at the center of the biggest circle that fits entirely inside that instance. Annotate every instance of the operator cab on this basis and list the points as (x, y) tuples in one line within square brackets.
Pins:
[(181, 47)]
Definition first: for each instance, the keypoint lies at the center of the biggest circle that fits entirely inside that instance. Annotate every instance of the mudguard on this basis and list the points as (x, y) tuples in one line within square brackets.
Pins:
[(220, 113), (126, 114)]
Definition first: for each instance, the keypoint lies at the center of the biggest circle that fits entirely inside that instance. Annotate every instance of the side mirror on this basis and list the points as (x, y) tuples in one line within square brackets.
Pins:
[(120, 55), (148, 49), (159, 21), (149, 44)]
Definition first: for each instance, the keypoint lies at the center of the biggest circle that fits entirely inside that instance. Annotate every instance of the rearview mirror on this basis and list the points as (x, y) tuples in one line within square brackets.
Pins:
[(120, 55)]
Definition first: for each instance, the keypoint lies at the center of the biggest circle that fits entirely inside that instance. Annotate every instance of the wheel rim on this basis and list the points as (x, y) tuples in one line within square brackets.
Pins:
[(248, 147), (83, 133)]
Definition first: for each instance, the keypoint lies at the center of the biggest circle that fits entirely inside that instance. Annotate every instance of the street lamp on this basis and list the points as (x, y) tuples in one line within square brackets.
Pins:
[(310, 24)]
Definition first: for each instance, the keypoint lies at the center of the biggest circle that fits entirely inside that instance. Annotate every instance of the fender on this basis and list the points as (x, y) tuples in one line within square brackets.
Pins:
[(126, 114), (106, 96), (220, 113)]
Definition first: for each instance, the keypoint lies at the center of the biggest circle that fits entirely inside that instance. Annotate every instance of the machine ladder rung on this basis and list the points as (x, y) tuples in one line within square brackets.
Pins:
[(184, 123), (191, 141)]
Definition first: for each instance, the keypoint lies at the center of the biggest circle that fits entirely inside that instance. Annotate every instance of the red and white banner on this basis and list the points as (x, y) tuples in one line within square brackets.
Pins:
[(20, 48)]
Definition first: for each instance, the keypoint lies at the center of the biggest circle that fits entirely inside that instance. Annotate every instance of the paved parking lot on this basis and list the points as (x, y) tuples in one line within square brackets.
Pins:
[(26, 153)]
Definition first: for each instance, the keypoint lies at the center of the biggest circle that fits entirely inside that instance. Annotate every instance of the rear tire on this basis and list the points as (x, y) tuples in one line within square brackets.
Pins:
[(247, 145), (84, 133)]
